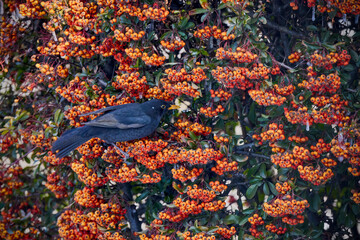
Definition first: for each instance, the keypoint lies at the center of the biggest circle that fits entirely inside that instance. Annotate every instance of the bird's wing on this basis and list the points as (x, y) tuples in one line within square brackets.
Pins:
[(125, 118), (111, 108)]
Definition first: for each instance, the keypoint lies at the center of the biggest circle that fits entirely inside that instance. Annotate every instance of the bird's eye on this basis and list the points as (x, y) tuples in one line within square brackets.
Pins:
[(163, 106)]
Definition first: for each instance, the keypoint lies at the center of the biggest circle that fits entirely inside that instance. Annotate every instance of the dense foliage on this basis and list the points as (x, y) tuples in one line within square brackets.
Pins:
[(265, 145)]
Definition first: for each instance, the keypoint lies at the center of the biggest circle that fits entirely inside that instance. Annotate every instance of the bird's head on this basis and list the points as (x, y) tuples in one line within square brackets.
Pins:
[(157, 106)]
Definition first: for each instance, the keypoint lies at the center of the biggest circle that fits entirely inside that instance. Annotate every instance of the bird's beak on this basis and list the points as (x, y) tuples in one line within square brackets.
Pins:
[(172, 107)]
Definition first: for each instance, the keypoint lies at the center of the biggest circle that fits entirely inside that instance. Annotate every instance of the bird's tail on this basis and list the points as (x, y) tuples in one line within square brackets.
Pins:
[(70, 140)]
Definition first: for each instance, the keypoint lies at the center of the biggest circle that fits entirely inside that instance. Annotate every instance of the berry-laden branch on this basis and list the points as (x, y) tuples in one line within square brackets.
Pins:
[(263, 145)]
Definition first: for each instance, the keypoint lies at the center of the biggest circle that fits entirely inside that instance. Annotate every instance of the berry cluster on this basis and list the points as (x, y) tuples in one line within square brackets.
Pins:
[(184, 174), (57, 186), (294, 57), (40, 141), (320, 148), (275, 70), (128, 35), (285, 91), (91, 149), (86, 197), (10, 230), (75, 91), (6, 141), (328, 162), (299, 219), (240, 55), (180, 88), (258, 71), (255, 220), (156, 92), (330, 83), (185, 127), (112, 156), (285, 160), (224, 165), (327, 61), (210, 112), (298, 139), (216, 186), (214, 31), (32, 8), (109, 216), (274, 134), (283, 188), (188, 207), (196, 75), (278, 230), (134, 53), (122, 174), (9, 180), (202, 194), (235, 78), (221, 94), (316, 177), (87, 175), (266, 98), (74, 223), (172, 45), (199, 236), (154, 13), (301, 116), (221, 139), (356, 197), (225, 232), (280, 207), (301, 153), (146, 178), (132, 84), (154, 237), (153, 60)]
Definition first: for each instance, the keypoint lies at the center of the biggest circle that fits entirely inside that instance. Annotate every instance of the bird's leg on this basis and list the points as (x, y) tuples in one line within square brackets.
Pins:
[(126, 155)]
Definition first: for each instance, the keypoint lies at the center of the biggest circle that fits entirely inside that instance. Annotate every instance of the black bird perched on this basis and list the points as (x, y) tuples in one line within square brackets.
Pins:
[(118, 124)]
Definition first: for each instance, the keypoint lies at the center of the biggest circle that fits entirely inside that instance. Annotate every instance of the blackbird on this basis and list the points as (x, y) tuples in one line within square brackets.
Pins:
[(118, 124)]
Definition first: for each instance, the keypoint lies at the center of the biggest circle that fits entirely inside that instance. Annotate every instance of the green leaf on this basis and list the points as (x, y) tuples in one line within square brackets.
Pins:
[(231, 219), (314, 201), (198, 11), (193, 136), (243, 220), (252, 113), (142, 196), (262, 170), (189, 25), (273, 188), (251, 191), (263, 20), (221, 6), (354, 55), (266, 189), (183, 22), (165, 35)]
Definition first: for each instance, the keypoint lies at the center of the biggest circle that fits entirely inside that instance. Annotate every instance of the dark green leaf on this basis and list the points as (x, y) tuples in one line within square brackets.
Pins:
[(262, 170), (198, 11), (252, 113), (231, 219), (266, 189), (273, 188), (251, 191)]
